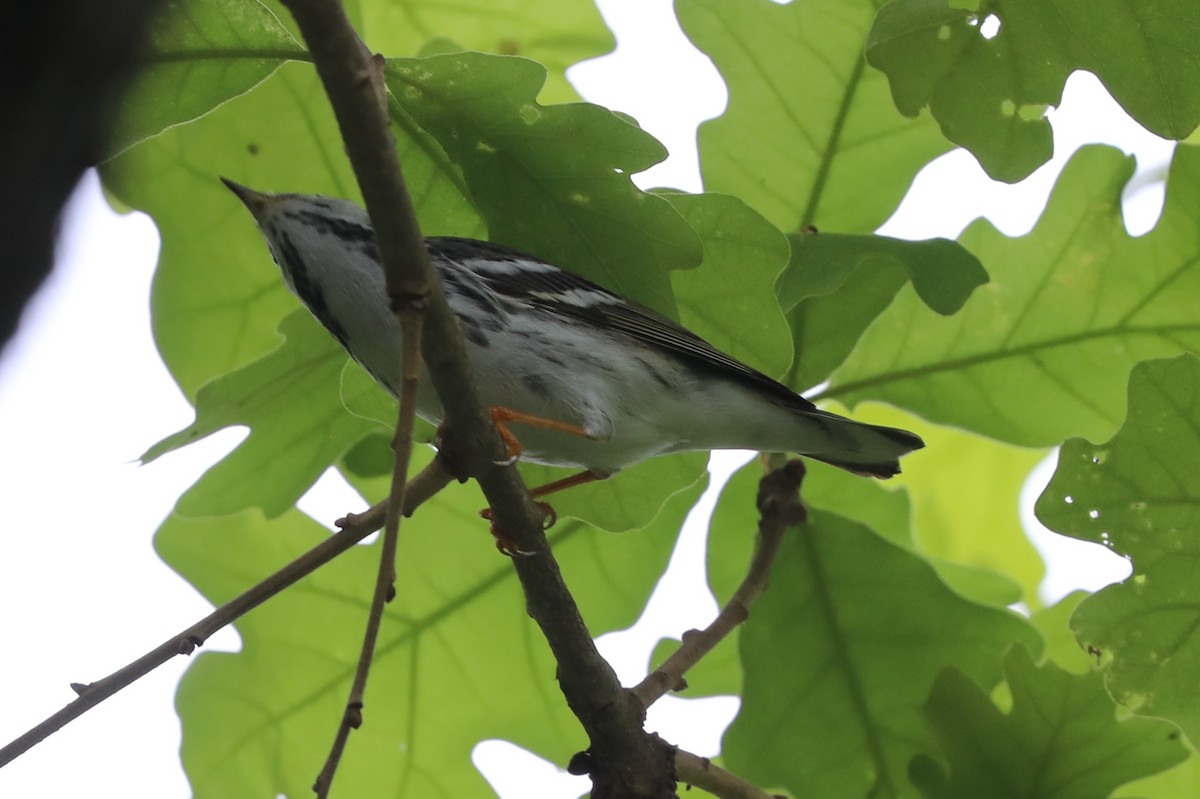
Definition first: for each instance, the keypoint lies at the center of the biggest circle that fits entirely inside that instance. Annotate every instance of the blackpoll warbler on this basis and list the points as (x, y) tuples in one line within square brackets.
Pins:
[(550, 345)]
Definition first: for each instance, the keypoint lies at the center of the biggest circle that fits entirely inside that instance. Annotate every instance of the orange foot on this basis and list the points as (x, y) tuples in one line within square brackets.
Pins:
[(504, 542)]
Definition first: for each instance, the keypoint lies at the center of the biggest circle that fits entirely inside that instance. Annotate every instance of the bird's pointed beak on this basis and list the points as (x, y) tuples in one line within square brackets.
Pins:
[(256, 202)]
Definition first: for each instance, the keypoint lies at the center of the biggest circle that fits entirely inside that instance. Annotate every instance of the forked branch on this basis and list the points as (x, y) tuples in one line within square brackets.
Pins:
[(402, 445), (779, 508), (354, 529), (700, 772), (627, 761)]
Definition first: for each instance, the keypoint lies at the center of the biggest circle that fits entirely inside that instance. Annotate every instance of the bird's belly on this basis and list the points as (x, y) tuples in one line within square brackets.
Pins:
[(629, 414)]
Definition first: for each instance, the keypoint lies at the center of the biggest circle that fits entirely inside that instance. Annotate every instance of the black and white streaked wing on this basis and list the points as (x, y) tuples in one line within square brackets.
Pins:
[(515, 275)]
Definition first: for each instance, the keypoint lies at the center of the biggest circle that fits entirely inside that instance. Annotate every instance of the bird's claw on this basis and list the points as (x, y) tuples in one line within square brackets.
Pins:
[(504, 542)]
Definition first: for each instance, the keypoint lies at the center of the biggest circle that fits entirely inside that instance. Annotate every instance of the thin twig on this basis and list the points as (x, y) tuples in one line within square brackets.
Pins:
[(627, 761), (402, 445), (779, 508), (700, 772), (355, 528)]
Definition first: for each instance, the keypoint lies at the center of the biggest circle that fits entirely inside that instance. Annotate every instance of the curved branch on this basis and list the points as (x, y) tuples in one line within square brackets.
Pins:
[(385, 581), (626, 761), (354, 529), (700, 772), (779, 508)]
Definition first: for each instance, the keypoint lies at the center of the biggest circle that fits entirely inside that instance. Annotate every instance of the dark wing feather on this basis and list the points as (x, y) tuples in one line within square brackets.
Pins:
[(567, 294)]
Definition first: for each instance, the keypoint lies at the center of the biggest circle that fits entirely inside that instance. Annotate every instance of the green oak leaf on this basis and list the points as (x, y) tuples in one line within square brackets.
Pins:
[(553, 180), (719, 673), (977, 547), (298, 425), (989, 94), (1062, 648), (1061, 740), (363, 397), (370, 457), (626, 501), (836, 284), (963, 490), (809, 137), (554, 33), (1041, 352), (201, 54), (1139, 495), (458, 660), (729, 300), (839, 656), (1176, 783), (217, 298)]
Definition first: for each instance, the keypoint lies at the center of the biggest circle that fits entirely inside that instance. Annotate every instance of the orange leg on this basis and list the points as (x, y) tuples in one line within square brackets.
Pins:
[(549, 517), (567, 482), (501, 416)]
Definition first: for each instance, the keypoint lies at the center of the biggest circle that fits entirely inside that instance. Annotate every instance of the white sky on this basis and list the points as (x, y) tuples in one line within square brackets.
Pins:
[(84, 592)]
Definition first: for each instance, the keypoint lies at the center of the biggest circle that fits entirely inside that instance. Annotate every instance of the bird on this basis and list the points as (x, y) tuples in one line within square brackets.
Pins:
[(590, 379)]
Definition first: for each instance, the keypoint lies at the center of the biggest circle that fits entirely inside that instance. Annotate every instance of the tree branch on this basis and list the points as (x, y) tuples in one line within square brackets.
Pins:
[(779, 508), (385, 580), (626, 761), (700, 772), (354, 529)]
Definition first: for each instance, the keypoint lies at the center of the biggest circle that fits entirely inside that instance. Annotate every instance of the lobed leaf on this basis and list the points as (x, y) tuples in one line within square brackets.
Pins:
[(964, 493), (836, 284), (298, 425), (201, 54), (1062, 738), (457, 661), (809, 137), (988, 90), (839, 658), (217, 299), (1042, 351), (551, 180), (554, 33), (729, 300), (1138, 494), (1062, 648)]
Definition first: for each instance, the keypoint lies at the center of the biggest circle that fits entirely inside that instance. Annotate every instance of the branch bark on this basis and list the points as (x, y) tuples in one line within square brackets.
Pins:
[(385, 581), (626, 762), (700, 772), (779, 508), (354, 529)]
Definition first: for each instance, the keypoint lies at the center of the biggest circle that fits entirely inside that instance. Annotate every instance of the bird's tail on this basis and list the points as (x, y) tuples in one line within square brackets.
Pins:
[(866, 449)]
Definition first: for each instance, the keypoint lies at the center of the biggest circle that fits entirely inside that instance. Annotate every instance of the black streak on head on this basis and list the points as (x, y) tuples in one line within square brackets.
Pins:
[(352, 233), (308, 292)]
